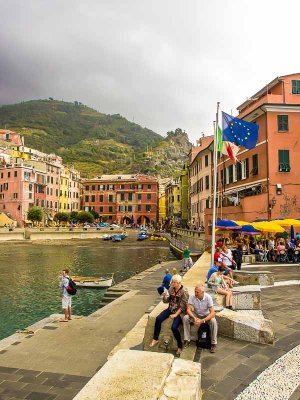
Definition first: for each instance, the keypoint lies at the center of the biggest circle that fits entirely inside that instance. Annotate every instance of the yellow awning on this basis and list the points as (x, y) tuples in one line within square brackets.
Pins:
[(268, 227), (242, 223), (288, 222)]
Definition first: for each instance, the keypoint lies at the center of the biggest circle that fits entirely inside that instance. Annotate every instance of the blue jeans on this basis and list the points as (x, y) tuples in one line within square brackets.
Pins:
[(176, 323)]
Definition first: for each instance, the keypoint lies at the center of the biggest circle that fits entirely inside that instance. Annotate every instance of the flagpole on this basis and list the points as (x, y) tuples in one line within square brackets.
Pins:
[(213, 236)]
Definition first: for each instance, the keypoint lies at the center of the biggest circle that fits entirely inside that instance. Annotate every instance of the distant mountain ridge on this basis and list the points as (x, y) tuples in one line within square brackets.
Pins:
[(94, 142)]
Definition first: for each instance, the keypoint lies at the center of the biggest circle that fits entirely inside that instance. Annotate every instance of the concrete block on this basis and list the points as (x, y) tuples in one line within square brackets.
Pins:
[(129, 375), (166, 339), (249, 325), (244, 298), (183, 382), (248, 258), (262, 278)]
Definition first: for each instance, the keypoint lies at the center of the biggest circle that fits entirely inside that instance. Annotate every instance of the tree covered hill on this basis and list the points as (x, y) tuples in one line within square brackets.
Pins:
[(94, 142)]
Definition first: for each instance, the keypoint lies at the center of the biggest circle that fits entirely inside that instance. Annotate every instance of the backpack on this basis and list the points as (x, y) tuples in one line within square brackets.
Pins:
[(72, 288), (204, 340)]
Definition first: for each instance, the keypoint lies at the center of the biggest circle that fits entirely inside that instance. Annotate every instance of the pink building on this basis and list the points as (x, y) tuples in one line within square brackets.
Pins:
[(17, 186), (10, 137)]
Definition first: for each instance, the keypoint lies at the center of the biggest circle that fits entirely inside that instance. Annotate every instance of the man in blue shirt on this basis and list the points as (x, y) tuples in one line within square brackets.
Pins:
[(165, 283), (214, 268)]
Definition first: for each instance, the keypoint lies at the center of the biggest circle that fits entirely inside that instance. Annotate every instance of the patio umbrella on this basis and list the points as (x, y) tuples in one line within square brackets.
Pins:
[(292, 233), (227, 224), (241, 223), (249, 230), (268, 227), (288, 222), (221, 231)]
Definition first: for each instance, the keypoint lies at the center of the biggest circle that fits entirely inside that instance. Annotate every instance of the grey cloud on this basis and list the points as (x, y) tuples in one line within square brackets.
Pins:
[(165, 63)]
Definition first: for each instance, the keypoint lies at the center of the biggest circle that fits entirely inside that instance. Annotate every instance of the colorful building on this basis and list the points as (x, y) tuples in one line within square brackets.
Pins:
[(122, 198), (74, 199), (184, 196), (64, 189), (17, 189), (265, 183), (200, 173), (173, 201), (29, 178), (162, 212)]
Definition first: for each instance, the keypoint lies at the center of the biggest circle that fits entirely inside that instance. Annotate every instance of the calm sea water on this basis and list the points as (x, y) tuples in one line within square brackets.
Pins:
[(29, 275)]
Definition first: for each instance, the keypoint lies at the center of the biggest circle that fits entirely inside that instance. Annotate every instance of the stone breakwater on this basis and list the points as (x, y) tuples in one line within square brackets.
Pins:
[(278, 382)]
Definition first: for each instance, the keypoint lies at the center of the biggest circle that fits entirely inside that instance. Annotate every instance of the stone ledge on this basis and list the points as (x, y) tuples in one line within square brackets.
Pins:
[(249, 258), (183, 382), (262, 278), (244, 298), (249, 325), (129, 375)]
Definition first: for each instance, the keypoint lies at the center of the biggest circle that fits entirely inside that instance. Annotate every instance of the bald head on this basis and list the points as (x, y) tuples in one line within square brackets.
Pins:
[(199, 291)]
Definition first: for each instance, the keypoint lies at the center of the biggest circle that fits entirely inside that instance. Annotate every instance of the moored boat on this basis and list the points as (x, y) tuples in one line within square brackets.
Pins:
[(142, 236), (117, 238), (93, 282), (106, 237)]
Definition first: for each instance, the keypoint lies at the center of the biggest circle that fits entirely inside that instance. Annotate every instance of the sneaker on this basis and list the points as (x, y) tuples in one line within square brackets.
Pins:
[(236, 282), (213, 348), (186, 343)]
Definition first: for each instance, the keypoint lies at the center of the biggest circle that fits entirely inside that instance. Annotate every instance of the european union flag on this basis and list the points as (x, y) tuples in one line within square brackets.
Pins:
[(238, 131)]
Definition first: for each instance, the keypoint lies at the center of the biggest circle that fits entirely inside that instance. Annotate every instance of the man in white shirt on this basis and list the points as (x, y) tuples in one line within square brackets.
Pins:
[(200, 310)]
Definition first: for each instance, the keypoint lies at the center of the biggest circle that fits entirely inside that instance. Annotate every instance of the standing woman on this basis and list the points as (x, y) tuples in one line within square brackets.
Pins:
[(226, 256), (218, 282), (177, 299)]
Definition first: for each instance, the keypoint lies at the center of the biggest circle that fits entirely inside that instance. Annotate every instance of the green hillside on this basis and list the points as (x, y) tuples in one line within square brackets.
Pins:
[(96, 143)]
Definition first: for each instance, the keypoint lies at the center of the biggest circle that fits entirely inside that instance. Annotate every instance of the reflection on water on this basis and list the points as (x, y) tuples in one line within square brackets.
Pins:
[(29, 275)]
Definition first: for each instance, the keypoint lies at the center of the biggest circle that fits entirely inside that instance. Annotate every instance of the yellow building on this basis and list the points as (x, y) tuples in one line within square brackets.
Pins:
[(64, 190), (173, 200), (162, 208)]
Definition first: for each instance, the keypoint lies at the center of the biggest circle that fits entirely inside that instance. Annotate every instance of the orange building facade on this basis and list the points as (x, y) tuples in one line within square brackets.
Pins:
[(266, 181)]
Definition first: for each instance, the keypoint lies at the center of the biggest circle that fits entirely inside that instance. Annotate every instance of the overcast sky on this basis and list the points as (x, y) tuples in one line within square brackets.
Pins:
[(164, 63)]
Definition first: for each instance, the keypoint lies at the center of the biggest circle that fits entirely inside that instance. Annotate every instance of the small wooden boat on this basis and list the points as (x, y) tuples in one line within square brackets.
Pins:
[(93, 282), (116, 238), (106, 237), (142, 237)]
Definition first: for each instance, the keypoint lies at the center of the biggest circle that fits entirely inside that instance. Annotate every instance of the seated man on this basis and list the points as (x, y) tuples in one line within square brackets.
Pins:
[(200, 311), (165, 283)]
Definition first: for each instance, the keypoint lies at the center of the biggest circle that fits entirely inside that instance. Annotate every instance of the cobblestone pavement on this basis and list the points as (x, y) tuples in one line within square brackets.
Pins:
[(236, 363), (58, 360)]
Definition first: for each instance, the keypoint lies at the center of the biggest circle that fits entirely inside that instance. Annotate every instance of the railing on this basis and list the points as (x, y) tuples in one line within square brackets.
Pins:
[(179, 244)]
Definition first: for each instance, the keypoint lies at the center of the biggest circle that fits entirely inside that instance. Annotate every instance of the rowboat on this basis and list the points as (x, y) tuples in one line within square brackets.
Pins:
[(142, 237), (106, 237), (94, 282)]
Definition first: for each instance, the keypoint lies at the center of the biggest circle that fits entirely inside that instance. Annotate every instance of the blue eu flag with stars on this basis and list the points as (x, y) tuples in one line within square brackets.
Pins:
[(239, 132)]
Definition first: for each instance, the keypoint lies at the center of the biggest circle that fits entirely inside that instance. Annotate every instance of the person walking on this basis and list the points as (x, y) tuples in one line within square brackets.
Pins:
[(66, 297), (187, 261)]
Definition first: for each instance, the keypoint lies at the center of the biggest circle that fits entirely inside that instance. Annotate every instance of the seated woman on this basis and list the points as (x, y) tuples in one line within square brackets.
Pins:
[(177, 297), (259, 251), (227, 259), (217, 280), (281, 246)]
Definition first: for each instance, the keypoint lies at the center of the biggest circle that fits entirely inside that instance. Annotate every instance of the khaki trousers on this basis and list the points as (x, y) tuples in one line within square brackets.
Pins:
[(187, 321)]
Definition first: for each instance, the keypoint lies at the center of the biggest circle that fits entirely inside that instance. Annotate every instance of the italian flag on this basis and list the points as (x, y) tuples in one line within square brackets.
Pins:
[(229, 149)]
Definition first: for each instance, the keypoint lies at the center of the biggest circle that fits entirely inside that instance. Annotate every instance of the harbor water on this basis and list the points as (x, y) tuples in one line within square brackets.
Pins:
[(30, 275)]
